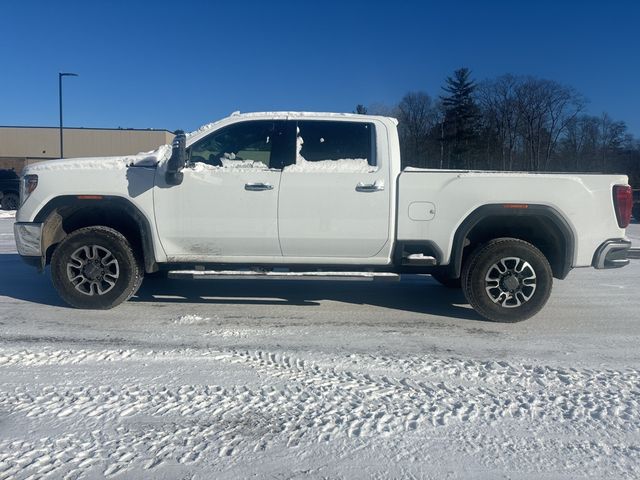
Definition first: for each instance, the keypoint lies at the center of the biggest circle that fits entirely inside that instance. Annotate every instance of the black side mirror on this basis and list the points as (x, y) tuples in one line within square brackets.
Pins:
[(178, 159)]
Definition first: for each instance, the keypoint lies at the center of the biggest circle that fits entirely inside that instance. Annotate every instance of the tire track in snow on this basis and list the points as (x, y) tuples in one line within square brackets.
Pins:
[(160, 425)]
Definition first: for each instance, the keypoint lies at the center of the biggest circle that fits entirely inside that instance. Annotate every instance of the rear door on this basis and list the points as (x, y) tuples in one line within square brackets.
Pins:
[(334, 201), (227, 205)]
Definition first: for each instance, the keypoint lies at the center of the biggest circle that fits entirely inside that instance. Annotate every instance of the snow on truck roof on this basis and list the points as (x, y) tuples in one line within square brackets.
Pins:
[(288, 114)]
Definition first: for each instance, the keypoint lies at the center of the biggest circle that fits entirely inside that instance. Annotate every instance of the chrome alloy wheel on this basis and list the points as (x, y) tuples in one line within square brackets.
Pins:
[(93, 270), (510, 282)]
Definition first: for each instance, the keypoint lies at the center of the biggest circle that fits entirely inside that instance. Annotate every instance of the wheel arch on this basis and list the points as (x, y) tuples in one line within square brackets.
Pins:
[(541, 225), (65, 214)]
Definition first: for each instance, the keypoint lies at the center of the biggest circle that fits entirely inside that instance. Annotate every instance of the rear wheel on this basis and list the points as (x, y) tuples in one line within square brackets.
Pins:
[(95, 268), (507, 280), (10, 201)]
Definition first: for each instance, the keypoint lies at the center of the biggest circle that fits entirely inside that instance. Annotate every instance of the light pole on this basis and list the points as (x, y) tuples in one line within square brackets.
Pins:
[(60, 75)]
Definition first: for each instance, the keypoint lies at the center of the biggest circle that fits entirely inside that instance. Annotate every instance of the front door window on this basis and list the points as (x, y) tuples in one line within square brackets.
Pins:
[(259, 144)]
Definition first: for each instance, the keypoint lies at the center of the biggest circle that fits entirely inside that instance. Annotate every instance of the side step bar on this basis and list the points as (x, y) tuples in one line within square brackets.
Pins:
[(275, 275)]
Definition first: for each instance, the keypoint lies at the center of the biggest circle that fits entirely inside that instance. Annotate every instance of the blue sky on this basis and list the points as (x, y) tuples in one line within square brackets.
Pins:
[(155, 64)]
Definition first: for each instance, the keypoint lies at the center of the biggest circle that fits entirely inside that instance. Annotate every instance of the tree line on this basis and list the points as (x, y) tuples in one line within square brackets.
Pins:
[(509, 123)]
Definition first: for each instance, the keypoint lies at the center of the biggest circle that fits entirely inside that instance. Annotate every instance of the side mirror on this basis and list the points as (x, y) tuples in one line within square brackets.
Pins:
[(178, 159)]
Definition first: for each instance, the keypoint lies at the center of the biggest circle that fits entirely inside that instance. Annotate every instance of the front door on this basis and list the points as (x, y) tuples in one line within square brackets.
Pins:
[(227, 205)]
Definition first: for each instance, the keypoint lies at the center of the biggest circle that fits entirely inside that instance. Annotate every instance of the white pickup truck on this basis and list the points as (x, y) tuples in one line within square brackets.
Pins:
[(314, 194)]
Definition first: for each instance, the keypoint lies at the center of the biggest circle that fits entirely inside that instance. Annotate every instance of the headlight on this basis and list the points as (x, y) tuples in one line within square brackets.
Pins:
[(28, 185)]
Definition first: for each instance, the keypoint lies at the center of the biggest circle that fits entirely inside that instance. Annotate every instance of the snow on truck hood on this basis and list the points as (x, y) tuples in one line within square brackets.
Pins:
[(143, 159)]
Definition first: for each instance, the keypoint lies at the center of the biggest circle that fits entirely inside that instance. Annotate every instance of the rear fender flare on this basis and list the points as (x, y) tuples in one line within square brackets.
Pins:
[(502, 210)]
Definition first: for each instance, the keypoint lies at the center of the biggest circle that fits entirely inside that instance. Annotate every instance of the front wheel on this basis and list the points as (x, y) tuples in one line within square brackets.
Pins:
[(95, 268), (507, 280)]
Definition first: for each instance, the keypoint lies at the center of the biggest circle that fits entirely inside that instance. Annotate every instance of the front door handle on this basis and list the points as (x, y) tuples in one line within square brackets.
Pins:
[(258, 186), (370, 187)]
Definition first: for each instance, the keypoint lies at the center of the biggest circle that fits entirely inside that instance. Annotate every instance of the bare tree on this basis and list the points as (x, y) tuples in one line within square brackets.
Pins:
[(497, 99), (612, 136), (544, 108), (580, 142), (562, 104), (418, 116)]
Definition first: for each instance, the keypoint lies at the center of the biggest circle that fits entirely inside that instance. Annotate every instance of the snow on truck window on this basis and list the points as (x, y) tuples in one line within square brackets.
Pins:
[(254, 144), (328, 146)]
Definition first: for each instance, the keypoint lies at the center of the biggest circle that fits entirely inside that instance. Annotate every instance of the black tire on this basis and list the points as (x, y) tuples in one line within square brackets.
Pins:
[(104, 284), (446, 280), (487, 287), (10, 201)]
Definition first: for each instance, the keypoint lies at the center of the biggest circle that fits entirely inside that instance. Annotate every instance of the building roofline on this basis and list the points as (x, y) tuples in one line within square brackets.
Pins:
[(93, 128)]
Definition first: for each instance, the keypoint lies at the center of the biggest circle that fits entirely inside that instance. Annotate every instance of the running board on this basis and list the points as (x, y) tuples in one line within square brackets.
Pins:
[(633, 253), (271, 275), (419, 259)]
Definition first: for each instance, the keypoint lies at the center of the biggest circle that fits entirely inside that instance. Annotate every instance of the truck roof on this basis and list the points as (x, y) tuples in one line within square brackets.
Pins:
[(283, 115)]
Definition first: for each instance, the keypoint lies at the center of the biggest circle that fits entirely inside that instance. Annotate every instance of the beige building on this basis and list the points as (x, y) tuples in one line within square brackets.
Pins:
[(20, 146)]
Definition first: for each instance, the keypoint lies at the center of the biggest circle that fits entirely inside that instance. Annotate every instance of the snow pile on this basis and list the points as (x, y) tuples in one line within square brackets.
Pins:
[(226, 163), (229, 160), (151, 158), (191, 320), (7, 214), (342, 165), (242, 333), (199, 167), (274, 115), (204, 128), (142, 159)]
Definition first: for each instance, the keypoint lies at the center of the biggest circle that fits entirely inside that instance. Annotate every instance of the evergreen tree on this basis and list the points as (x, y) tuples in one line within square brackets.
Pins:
[(461, 114)]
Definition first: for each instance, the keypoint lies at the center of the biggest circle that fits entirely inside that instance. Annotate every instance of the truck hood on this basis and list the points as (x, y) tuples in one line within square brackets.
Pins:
[(143, 159)]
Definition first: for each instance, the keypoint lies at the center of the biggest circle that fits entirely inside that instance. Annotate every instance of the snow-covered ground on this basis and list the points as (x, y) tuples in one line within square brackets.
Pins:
[(301, 379)]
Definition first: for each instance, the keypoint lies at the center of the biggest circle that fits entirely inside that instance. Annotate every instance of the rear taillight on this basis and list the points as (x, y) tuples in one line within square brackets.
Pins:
[(622, 202)]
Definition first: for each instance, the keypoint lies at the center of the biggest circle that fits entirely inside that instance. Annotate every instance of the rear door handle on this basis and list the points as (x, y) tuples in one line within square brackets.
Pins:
[(370, 187), (258, 186)]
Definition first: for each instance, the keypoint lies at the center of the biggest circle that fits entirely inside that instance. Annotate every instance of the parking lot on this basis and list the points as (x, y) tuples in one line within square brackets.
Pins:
[(289, 379)]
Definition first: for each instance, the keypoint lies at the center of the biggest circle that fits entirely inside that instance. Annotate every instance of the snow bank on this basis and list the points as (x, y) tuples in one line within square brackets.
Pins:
[(142, 159), (191, 320)]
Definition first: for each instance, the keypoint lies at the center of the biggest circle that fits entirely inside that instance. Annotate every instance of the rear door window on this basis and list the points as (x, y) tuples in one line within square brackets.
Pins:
[(349, 144)]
